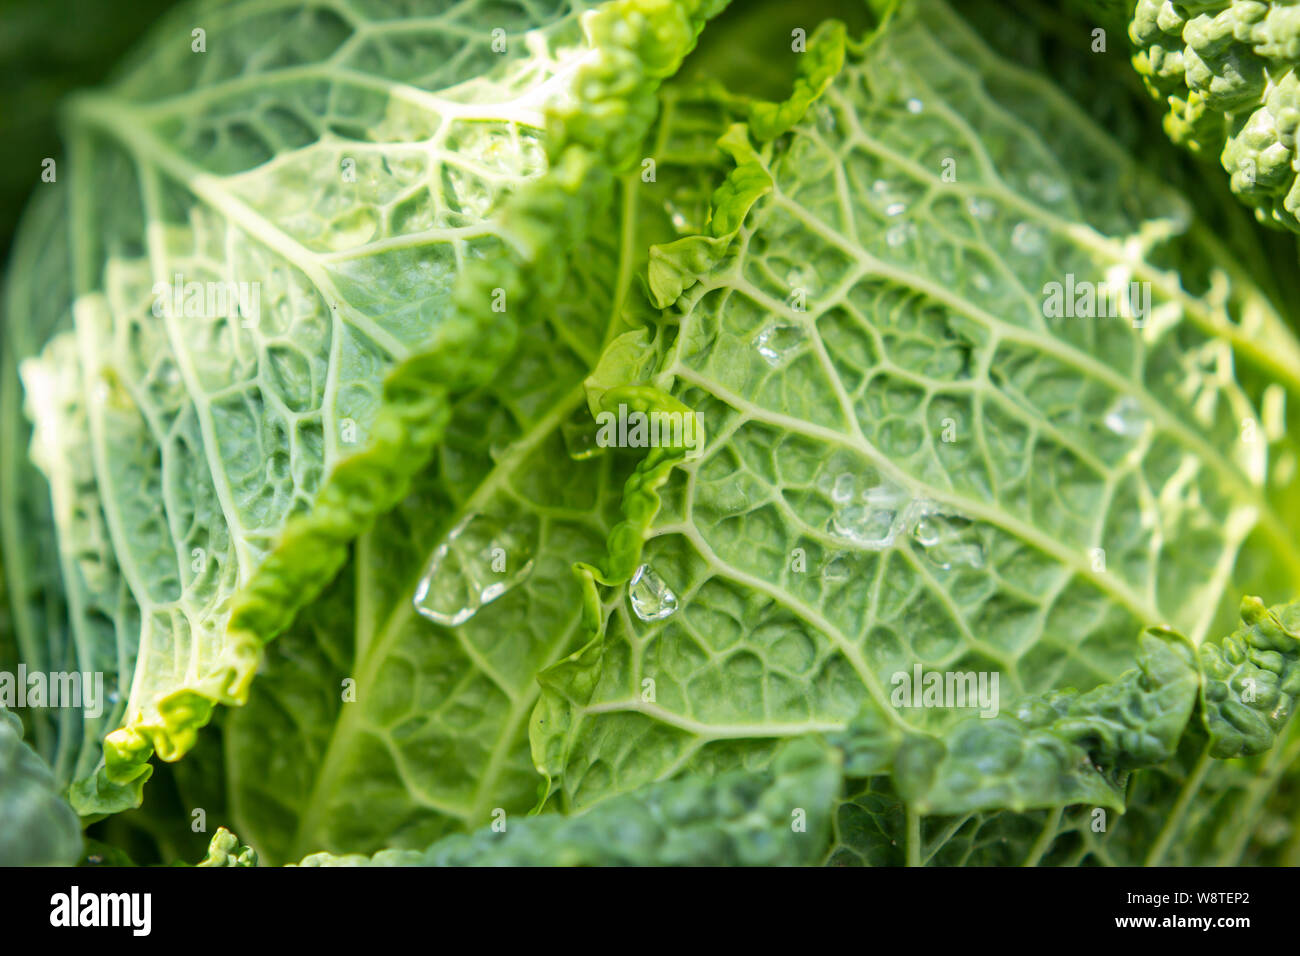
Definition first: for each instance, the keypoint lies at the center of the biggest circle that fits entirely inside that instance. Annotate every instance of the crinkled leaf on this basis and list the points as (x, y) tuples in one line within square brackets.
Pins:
[(375, 725), (1148, 745), (776, 817), (209, 461), (911, 457), (225, 850)]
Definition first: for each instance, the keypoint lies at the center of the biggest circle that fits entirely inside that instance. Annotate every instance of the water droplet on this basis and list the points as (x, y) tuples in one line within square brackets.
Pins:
[(842, 492), (890, 199), (729, 498), (836, 569), (980, 207), (1027, 239), (579, 434), (800, 278), (678, 218), (651, 598), (914, 105), (870, 527), (825, 118), (874, 521), (926, 532), (1125, 417), (970, 555), (478, 561), (946, 539), (899, 234), (1046, 187), (776, 342)]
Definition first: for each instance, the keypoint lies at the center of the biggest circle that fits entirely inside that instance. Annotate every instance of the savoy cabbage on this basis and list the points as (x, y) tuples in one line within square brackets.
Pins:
[(317, 343)]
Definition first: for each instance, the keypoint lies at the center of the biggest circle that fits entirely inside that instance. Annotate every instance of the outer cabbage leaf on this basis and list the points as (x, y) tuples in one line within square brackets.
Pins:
[(65, 589), (165, 827), (37, 827), (777, 817), (350, 169), (911, 461), (1149, 744), (52, 49)]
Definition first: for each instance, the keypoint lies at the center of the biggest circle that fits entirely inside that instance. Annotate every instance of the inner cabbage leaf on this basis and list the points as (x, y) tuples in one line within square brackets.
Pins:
[(396, 708), (914, 458)]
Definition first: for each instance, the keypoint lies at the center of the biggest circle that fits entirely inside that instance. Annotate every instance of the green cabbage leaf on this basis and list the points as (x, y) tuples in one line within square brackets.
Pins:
[(966, 386)]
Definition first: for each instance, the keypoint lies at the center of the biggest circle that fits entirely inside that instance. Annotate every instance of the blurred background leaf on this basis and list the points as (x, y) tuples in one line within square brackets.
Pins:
[(47, 49)]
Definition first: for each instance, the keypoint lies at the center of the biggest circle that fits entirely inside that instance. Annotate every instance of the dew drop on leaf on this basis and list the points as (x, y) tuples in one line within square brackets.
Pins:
[(1046, 187), (836, 570), (926, 532), (899, 233), (1027, 239), (890, 199), (1125, 417), (874, 521), (776, 342), (579, 434), (678, 218), (651, 598), (842, 491), (947, 540), (478, 561)]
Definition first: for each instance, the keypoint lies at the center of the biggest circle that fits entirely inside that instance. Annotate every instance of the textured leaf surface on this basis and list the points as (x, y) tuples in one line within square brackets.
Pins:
[(1144, 745), (65, 587), (779, 817), (209, 463), (910, 460), (434, 738), (469, 242), (305, 152)]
